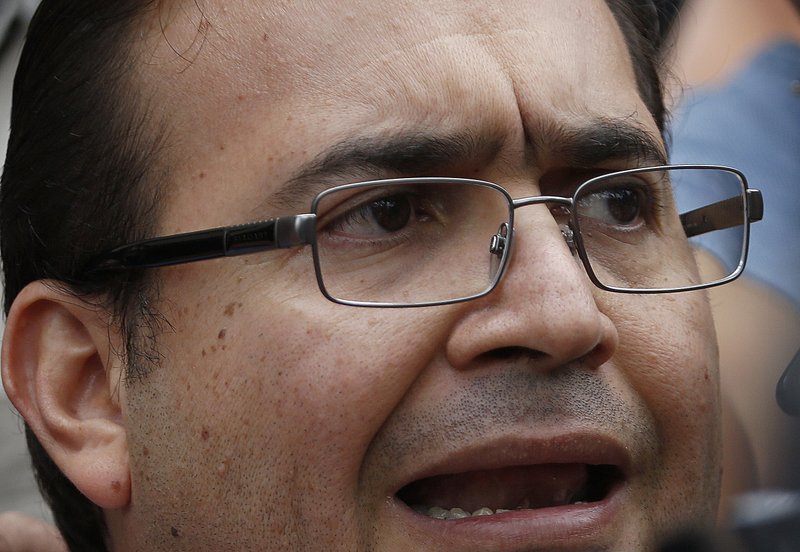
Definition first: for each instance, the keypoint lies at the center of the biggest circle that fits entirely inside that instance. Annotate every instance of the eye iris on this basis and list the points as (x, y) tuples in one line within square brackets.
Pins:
[(623, 205), (391, 213)]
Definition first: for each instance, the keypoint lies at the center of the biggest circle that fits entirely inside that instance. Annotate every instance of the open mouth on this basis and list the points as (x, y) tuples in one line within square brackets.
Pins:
[(508, 489)]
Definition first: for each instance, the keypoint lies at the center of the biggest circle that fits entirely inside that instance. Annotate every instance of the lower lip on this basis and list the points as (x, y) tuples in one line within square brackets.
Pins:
[(574, 524)]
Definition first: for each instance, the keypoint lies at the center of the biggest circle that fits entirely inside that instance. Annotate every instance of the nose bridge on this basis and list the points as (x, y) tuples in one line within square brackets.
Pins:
[(537, 252), (545, 285), (562, 218), (543, 303)]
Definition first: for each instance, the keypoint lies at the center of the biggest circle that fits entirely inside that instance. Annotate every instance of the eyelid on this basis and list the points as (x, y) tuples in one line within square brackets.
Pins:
[(348, 200), (298, 193)]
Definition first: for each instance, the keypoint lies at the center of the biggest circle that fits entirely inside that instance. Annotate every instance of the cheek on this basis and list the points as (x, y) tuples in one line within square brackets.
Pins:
[(673, 355), (668, 357), (259, 410)]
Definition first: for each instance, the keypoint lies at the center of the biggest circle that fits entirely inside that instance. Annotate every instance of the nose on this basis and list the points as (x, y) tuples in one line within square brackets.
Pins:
[(544, 308)]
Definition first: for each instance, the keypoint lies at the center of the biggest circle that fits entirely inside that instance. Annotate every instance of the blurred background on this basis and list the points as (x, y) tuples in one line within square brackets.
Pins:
[(17, 488), (733, 72)]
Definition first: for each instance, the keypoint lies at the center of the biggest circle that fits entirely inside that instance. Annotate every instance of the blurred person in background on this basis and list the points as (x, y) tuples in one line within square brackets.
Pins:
[(736, 70)]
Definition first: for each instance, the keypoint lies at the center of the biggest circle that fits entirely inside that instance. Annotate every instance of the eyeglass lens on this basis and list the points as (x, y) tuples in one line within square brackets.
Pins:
[(653, 230), (411, 242)]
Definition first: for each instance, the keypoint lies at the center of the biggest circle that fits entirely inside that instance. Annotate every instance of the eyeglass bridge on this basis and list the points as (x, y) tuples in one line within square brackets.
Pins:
[(497, 244)]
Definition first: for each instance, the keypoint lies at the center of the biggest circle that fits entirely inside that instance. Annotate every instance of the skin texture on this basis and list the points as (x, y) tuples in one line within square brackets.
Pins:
[(276, 420)]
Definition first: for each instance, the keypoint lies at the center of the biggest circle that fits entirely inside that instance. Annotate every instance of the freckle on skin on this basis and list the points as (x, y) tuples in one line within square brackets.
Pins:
[(116, 486), (146, 451), (175, 532), (203, 352), (202, 174), (221, 334), (204, 434)]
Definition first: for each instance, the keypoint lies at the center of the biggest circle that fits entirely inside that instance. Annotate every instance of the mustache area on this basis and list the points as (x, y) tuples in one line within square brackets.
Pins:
[(504, 404), (507, 404)]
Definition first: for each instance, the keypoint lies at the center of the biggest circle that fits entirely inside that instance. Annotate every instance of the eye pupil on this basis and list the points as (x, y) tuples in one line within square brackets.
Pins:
[(623, 205), (391, 213)]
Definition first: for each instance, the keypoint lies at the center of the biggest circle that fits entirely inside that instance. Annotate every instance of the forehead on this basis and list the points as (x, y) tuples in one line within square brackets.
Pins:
[(264, 87)]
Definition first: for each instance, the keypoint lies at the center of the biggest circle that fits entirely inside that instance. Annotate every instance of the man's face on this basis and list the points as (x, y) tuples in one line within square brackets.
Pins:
[(277, 420)]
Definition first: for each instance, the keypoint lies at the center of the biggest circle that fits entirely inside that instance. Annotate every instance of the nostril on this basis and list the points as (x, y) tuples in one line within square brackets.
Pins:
[(514, 353)]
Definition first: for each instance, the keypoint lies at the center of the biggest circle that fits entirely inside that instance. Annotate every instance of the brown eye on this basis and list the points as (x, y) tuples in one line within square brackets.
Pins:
[(380, 216), (614, 206), (392, 213), (623, 205)]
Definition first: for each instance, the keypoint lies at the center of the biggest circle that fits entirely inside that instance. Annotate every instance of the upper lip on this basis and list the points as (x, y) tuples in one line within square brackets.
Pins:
[(591, 448)]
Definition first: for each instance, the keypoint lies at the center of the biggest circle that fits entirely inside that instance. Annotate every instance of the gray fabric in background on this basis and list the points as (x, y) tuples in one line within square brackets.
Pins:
[(17, 488)]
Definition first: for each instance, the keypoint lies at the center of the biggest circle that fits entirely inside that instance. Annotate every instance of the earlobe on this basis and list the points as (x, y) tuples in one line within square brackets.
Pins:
[(62, 372)]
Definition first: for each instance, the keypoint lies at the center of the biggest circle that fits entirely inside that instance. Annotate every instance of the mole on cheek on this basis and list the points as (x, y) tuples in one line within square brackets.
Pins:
[(204, 434), (230, 308)]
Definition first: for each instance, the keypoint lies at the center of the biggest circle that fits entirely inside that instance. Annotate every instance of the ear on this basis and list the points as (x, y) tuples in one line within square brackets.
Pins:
[(62, 372)]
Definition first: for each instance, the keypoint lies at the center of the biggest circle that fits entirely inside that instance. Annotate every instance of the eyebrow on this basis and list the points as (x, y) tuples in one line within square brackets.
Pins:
[(431, 154), (605, 140), (361, 158)]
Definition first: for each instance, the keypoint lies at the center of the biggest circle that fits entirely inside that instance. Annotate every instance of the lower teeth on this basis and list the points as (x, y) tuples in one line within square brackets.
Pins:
[(455, 513), (437, 512)]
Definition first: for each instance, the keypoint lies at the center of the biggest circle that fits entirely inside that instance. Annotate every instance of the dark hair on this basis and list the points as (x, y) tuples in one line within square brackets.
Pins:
[(81, 162), (639, 22), (78, 158)]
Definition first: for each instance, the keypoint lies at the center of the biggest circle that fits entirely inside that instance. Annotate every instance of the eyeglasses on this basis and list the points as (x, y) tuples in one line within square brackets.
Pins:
[(409, 242)]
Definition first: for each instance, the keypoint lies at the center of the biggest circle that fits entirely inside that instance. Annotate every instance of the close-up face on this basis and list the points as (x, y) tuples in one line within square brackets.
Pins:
[(275, 419)]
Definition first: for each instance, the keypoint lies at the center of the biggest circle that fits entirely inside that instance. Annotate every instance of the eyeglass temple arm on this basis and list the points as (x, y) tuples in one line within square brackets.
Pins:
[(723, 214), (276, 233)]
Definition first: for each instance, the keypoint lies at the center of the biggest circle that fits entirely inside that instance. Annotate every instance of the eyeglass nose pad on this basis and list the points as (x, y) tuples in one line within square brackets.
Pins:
[(569, 237), (497, 250), (497, 245)]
